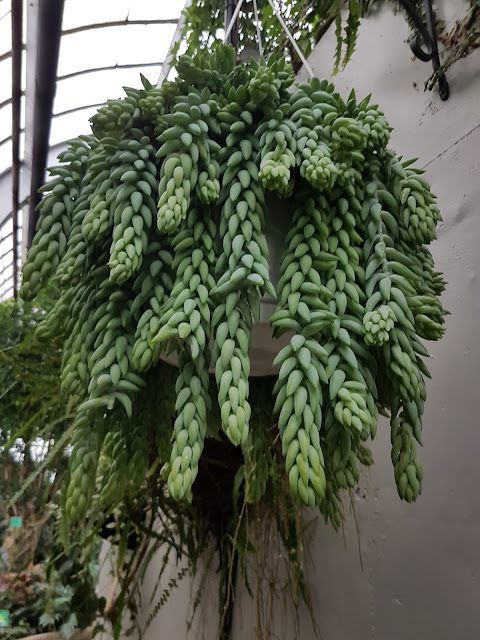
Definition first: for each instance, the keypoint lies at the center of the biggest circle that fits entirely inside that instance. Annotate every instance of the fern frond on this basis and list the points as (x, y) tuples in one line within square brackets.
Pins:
[(172, 584), (351, 29), (338, 48)]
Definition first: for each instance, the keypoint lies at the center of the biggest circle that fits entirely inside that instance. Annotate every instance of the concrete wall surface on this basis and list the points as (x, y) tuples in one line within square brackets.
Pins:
[(421, 562)]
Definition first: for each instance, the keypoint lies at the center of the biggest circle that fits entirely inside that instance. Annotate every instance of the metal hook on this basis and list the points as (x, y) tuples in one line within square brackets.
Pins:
[(427, 34)]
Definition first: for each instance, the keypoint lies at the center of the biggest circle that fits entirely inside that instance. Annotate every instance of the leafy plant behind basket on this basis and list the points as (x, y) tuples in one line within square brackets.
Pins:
[(43, 598), (41, 587), (32, 415)]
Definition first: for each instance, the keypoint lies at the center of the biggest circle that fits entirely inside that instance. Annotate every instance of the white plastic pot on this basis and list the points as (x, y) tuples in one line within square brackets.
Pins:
[(264, 347)]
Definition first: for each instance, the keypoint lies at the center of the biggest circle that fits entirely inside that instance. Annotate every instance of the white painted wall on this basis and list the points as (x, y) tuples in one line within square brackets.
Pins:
[(421, 562)]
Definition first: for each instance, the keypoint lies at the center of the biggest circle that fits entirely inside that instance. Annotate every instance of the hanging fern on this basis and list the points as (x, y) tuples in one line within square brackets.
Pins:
[(351, 29), (339, 40), (166, 593)]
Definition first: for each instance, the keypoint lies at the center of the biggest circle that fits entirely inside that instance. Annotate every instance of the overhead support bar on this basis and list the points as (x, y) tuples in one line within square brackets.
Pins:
[(7, 139), (9, 251), (40, 95), (112, 67), (95, 105), (5, 56), (6, 102), (117, 23), (17, 29)]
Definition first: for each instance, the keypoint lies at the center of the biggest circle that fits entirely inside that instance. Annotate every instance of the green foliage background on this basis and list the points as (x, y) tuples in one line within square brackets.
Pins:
[(43, 586)]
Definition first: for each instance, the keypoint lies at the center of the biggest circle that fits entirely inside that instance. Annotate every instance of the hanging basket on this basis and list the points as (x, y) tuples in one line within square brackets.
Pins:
[(164, 239)]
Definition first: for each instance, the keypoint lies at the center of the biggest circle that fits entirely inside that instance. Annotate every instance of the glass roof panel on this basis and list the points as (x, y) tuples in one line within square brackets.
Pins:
[(24, 70), (99, 86), (6, 288), (78, 13), (5, 154), (70, 126), (5, 79), (5, 120), (22, 112), (129, 48), (5, 242), (148, 10), (5, 132), (21, 146), (117, 45), (5, 29)]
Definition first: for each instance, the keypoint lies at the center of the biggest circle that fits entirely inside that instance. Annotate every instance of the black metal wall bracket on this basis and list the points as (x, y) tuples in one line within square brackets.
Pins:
[(428, 35)]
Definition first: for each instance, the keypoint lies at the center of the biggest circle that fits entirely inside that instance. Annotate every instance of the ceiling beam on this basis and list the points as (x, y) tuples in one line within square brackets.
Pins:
[(43, 44), (5, 56), (6, 188), (9, 251), (112, 67), (17, 28), (5, 140), (117, 23), (5, 103)]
